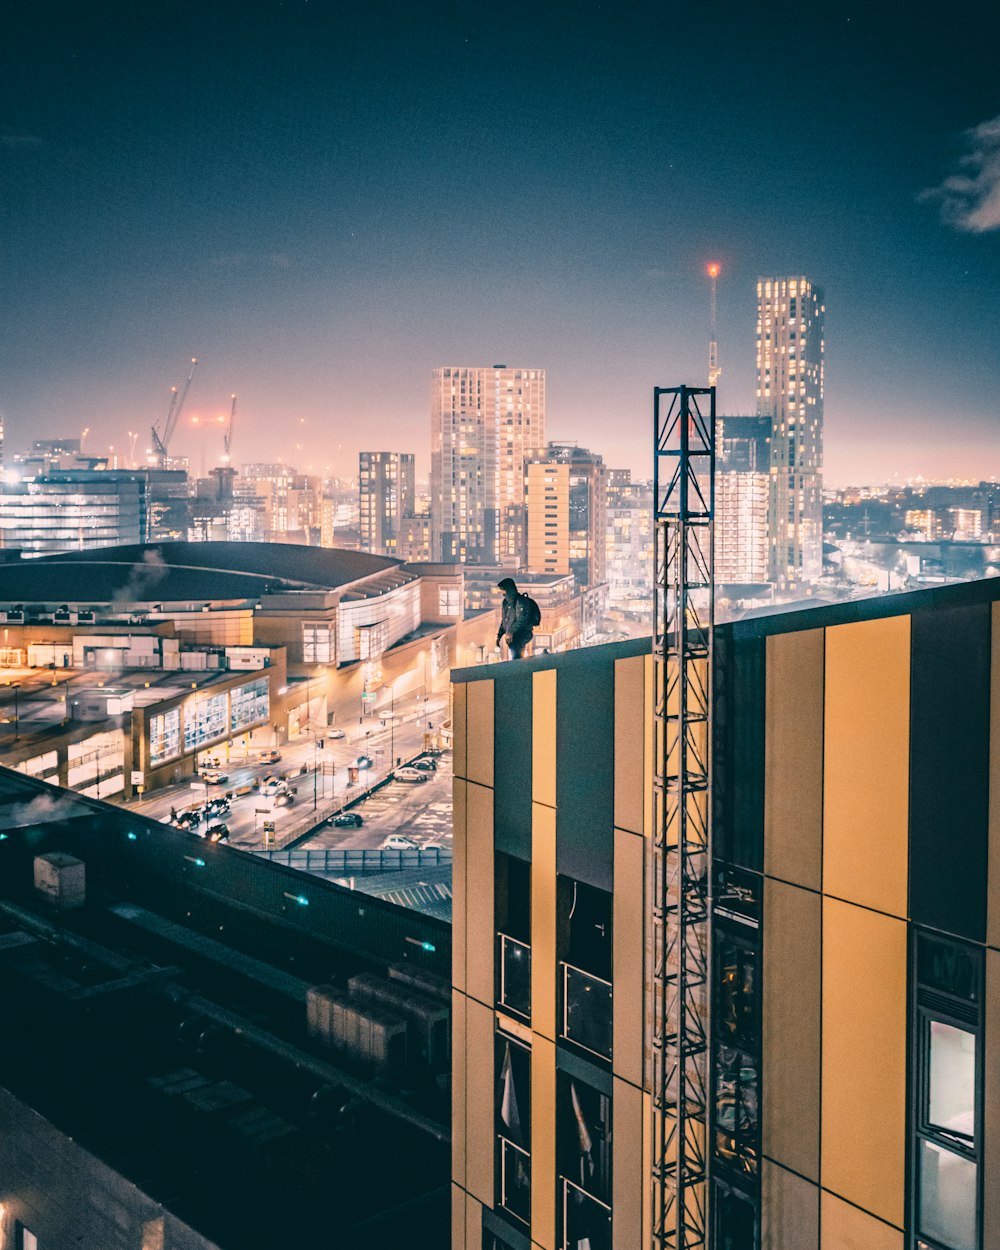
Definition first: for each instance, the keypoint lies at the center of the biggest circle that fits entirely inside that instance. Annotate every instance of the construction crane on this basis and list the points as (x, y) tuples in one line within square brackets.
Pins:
[(227, 438), (163, 431), (714, 370)]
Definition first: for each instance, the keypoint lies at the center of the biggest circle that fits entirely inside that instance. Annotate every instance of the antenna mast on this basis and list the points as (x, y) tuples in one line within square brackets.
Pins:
[(713, 342)]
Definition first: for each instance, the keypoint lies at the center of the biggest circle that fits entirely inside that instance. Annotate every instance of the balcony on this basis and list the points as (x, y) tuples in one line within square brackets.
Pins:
[(586, 1221), (514, 968), (586, 1011), (515, 1179)]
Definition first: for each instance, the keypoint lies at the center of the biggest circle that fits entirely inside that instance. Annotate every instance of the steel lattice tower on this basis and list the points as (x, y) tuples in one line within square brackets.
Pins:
[(680, 869)]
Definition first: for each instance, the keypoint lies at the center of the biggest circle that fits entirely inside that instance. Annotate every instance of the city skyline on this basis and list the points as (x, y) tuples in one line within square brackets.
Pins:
[(324, 208)]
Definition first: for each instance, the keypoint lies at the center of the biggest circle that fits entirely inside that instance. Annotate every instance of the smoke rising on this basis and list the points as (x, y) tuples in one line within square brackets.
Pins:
[(149, 572)]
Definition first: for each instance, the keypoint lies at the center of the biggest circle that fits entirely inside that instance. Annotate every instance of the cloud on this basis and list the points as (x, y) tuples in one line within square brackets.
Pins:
[(22, 142), (970, 199)]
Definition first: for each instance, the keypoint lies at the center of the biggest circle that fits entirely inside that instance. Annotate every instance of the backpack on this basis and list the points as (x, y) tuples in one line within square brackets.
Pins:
[(526, 615)]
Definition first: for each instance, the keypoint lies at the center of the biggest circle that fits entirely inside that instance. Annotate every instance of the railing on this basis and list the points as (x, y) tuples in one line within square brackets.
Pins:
[(515, 1179), (514, 962), (586, 1220), (359, 861), (586, 1011)]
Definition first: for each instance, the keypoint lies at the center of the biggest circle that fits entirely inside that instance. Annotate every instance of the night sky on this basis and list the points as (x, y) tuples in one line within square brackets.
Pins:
[(325, 201)]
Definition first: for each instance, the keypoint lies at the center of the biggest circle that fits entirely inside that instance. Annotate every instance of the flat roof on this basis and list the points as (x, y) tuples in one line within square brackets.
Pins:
[(183, 571)]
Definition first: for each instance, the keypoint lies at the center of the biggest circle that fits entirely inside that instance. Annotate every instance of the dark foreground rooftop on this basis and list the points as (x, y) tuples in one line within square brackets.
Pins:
[(162, 1027)]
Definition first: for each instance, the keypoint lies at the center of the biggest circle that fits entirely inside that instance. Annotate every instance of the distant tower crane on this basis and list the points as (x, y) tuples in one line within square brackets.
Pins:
[(163, 431), (225, 473), (714, 369), (227, 438)]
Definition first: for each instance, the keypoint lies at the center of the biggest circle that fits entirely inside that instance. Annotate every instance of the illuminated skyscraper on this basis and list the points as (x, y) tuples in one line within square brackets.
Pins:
[(484, 422), (742, 486), (790, 315), (385, 497)]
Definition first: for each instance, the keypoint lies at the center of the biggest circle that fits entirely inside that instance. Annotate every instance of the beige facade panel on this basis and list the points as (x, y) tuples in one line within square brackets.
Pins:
[(459, 704), (793, 758), (863, 1130), (628, 1002), (846, 1228), (543, 1143), (993, 876), (458, 884), (479, 732), (867, 750), (789, 1210), (791, 1026), (630, 737), (991, 1100), (480, 936), (629, 1185), (543, 737), (459, 1042), (543, 920), (479, 1083)]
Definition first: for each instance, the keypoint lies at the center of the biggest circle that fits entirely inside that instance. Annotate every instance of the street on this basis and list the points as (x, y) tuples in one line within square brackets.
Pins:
[(324, 785)]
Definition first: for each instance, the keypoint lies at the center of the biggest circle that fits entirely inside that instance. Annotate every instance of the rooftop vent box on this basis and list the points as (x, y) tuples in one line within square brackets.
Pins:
[(60, 879)]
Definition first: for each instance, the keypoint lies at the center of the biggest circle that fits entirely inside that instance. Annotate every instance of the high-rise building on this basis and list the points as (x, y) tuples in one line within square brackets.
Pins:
[(484, 422), (546, 485), (742, 486), (630, 546), (852, 1028), (385, 497), (74, 510), (790, 348)]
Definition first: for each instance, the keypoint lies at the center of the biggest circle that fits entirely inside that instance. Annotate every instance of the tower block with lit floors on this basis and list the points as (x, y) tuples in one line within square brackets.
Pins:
[(790, 362)]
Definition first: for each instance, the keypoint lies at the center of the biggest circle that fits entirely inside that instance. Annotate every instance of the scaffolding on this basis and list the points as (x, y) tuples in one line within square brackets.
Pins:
[(680, 850)]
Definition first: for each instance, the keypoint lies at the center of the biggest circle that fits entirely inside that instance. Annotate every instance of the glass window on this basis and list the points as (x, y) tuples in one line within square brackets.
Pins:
[(951, 1093), (248, 705), (204, 720), (947, 1197), (164, 736)]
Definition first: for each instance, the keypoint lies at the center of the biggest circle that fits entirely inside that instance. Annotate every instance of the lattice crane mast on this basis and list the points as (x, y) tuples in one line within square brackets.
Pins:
[(163, 431), (227, 438)]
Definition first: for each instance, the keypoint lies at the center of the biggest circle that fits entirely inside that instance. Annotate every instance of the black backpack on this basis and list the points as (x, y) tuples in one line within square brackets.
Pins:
[(526, 615)]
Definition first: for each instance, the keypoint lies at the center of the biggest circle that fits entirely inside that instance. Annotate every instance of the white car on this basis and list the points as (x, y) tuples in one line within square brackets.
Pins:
[(410, 774), (336, 733), (214, 777), (396, 842)]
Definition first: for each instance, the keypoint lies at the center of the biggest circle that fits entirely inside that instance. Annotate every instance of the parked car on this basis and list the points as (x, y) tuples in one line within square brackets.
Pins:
[(336, 733), (214, 777), (347, 820), (410, 774), (268, 756), (218, 833), (364, 761), (396, 842), (426, 765)]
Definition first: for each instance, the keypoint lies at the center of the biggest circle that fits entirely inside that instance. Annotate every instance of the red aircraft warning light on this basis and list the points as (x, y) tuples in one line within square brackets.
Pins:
[(713, 269)]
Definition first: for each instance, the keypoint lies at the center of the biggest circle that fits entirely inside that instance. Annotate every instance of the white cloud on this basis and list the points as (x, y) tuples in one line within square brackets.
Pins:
[(970, 199)]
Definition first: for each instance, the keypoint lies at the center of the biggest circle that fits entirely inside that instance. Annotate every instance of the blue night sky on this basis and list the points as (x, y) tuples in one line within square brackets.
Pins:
[(324, 201)]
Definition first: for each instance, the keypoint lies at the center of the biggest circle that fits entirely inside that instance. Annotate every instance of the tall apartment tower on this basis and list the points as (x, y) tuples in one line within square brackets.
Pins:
[(484, 422), (742, 490), (790, 348), (385, 496)]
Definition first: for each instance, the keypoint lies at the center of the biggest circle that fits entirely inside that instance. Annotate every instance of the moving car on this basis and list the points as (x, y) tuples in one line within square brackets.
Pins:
[(284, 798), (347, 820), (396, 842), (269, 756), (218, 806), (214, 777), (364, 761), (410, 774), (426, 765), (336, 733), (217, 833)]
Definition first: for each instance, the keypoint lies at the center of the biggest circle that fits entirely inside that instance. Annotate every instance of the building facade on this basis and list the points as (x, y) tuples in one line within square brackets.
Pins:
[(546, 488), (385, 497), (74, 510), (567, 513), (742, 488), (484, 422), (790, 381), (855, 978)]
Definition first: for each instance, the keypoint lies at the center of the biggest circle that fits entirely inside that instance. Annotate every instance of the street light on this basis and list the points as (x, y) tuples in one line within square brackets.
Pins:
[(17, 728)]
